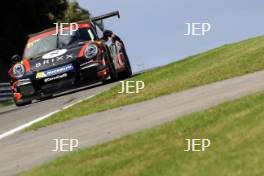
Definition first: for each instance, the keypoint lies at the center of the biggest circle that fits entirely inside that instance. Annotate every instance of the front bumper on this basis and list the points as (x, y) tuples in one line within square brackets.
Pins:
[(94, 71), (34, 88)]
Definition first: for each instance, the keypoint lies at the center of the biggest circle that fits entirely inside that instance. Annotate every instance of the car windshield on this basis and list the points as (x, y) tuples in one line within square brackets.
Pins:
[(51, 42)]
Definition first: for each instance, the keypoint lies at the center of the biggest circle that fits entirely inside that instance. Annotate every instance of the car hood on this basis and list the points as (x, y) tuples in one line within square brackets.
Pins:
[(54, 58)]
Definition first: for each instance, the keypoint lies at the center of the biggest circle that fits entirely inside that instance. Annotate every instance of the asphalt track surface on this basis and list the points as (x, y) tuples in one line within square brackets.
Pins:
[(12, 116), (23, 151)]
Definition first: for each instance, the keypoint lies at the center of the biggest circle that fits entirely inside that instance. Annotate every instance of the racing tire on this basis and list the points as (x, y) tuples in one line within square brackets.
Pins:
[(22, 102), (128, 72), (112, 70)]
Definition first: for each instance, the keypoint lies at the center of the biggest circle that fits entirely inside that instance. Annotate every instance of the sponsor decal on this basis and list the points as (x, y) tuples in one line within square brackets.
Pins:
[(55, 53), (40, 75), (55, 78), (55, 71), (54, 60)]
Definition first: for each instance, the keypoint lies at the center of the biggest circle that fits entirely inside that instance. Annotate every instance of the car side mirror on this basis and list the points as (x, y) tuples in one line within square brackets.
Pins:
[(107, 34), (16, 58)]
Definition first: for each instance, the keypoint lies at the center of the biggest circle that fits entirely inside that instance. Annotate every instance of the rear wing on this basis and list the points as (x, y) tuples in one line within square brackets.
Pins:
[(105, 16)]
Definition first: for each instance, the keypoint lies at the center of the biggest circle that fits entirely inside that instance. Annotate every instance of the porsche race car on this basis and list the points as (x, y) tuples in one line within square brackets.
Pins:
[(54, 63)]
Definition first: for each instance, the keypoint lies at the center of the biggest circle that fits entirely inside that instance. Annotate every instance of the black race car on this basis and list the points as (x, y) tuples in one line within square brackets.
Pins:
[(54, 62)]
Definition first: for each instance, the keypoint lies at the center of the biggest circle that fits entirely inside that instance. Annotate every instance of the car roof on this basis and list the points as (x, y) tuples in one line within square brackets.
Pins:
[(85, 21)]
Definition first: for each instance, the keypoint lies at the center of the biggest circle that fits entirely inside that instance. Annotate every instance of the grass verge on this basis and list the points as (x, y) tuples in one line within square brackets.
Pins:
[(218, 64), (235, 129), (5, 103)]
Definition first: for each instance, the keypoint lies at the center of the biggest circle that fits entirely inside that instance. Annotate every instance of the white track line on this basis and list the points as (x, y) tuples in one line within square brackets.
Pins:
[(22, 127)]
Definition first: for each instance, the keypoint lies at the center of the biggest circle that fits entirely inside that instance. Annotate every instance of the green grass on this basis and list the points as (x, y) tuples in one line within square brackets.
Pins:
[(235, 129), (218, 64), (5, 103)]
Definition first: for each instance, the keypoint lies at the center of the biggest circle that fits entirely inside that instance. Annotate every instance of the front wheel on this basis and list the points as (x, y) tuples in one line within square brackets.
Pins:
[(22, 102), (112, 70), (128, 70), (113, 73)]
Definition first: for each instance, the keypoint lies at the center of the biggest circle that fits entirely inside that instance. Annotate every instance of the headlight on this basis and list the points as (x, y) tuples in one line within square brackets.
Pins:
[(18, 71), (91, 51)]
